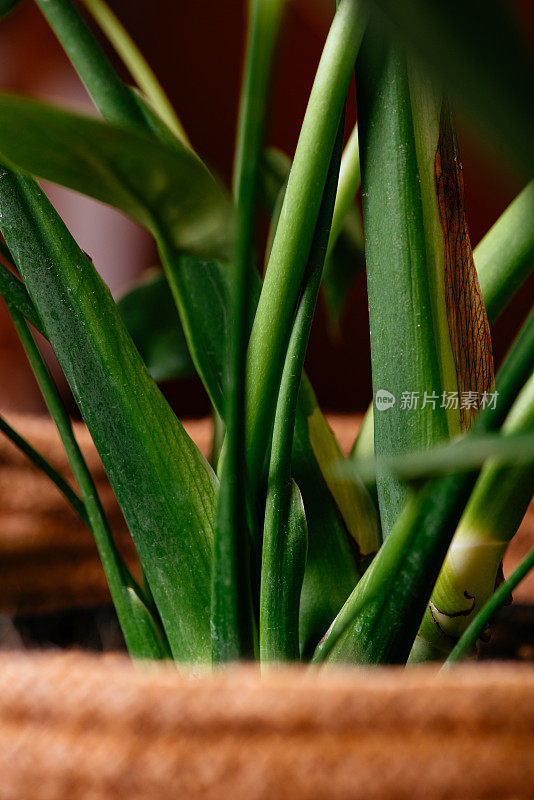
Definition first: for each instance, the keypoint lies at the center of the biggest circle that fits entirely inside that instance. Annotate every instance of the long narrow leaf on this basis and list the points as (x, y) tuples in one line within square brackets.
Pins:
[(161, 187), (137, 66), (331, 571), (285, 533), (16, 296), (231, 618), (164, 486), (430, 339), (458, 456), (111, 96), (505, 257), (118, 576), (41, 463), (404, 350), (345, 255), (294, 234)]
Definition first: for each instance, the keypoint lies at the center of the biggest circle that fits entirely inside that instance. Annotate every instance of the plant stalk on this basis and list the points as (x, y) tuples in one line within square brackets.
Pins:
[(113, 99), (285, 531), (137, 65), (504, 258), (482, 619), (294, 235), (232, 624), (45, 466), (491, 518)]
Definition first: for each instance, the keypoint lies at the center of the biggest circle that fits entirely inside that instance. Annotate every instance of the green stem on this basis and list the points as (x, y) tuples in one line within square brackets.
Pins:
[(141, 642), (137, 65), (113, 99), (505, 257), (469, 637), (348, 185), (292, 243), (41, 463), (231, 619), (284, 536)]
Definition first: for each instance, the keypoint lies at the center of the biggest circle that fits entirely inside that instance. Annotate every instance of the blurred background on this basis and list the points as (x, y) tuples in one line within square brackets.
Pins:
[(196, 49)]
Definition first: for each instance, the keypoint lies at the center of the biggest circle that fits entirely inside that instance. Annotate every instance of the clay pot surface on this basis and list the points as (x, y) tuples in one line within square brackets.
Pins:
[(81, 727)]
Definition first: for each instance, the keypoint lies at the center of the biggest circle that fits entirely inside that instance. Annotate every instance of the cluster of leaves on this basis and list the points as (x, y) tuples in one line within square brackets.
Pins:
[(288, 550)]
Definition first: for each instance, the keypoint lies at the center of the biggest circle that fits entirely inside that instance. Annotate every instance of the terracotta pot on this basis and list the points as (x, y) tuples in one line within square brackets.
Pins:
[(81, 727), (84, 727), (48, 559)]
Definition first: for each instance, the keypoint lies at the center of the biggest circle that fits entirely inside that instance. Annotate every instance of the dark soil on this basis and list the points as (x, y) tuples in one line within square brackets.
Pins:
[(95, 630)]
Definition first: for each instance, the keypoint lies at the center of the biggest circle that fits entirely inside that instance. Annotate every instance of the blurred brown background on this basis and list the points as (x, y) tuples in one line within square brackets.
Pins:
[(196, 50)]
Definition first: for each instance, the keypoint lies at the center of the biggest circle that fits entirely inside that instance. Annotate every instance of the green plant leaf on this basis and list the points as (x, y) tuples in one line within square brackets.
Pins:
[(274, 172), (465, 453), (161, 187), (478, 51), (331, 571), (155, 646), (117, 573), (111, 96), (283, 566), (404, 350), (463, 335), (232, 618), (504, 259), (149, 313), (429, 333), (348, 184), (345, 262), (201, 289), (164, 486)]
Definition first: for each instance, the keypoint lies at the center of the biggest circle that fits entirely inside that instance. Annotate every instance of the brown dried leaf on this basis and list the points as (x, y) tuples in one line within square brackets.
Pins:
[(468, 324)]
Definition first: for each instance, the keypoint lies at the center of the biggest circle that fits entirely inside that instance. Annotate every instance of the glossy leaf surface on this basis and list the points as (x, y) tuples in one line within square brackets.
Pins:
[(161, 187)]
